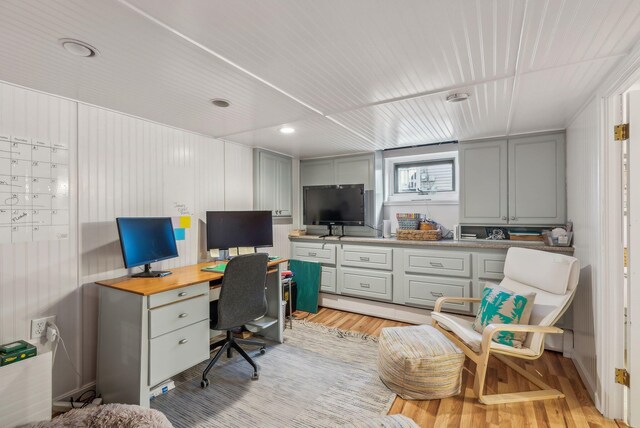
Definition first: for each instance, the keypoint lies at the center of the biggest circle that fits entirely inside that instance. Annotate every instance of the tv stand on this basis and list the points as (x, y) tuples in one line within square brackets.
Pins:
[(331, 232), (148, 273)]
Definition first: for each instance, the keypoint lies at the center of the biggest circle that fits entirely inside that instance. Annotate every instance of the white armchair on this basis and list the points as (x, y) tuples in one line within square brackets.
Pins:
[(553, 277)]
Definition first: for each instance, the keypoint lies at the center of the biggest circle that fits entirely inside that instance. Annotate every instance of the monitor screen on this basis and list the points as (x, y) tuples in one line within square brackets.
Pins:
[(230, 229), (327, 205), (145, 240)]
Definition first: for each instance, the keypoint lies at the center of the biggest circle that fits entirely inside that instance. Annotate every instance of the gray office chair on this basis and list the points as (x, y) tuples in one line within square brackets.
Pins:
[(242, 299)]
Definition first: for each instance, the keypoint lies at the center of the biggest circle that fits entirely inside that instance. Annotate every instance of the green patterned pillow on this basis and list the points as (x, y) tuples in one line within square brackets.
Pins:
[(502, 306)]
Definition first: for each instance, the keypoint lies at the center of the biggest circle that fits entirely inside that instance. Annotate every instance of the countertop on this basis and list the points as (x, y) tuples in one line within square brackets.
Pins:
[(445, 243)]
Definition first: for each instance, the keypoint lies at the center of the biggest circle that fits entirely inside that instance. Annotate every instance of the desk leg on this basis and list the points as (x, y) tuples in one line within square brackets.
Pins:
[(274, 306)]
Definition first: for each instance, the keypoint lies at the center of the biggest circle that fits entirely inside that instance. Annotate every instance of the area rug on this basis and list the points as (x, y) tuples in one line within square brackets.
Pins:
[(319, 377)]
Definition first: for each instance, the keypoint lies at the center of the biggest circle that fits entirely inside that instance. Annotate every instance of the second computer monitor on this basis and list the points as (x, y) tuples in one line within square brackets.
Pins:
[(231, 229)]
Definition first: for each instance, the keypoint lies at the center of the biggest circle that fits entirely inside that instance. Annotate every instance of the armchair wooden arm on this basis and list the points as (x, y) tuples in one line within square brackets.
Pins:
[(442, 300), (492, 329)]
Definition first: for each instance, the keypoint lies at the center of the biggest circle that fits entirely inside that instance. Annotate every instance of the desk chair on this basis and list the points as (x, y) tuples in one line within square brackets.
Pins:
[(242, 299)]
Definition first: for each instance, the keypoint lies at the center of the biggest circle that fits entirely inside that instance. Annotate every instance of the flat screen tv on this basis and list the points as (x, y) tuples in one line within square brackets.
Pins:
[(340, 205), (145, 240), (231, 229)]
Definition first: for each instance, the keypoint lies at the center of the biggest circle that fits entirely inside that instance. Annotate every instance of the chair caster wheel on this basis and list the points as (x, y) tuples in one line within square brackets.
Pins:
[(263, 350), (255, 376), (204, 383)]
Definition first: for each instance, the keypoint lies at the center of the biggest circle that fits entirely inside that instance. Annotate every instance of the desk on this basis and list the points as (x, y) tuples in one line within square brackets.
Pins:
[(150, 329)]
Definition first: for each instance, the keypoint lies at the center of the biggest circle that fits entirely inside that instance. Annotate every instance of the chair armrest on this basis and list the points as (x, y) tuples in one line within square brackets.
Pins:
[(492, 329), (442, 300)]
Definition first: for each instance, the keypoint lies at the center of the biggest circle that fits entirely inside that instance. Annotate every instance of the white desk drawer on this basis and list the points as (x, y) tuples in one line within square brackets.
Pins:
[(425, 290), (311, 252), (177, 351), (367, 257), (366, 283), (183, 293), (491, 266), (177, 315), (446, 263), (328, 279)]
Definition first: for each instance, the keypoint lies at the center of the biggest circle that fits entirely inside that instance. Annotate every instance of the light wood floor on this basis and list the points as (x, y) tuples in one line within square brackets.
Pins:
[(576, 410)]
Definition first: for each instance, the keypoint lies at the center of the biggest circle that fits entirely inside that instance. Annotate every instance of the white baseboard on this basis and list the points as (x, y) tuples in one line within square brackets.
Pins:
[(589, 383), (76, 392), (376, 309)]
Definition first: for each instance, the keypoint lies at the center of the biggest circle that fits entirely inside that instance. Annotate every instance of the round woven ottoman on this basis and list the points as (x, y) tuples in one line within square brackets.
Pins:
[(419, 363)]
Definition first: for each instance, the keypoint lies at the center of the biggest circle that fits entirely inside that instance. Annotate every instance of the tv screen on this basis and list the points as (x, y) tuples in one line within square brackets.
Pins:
[(231, 229), (334, 205), (146, 240)]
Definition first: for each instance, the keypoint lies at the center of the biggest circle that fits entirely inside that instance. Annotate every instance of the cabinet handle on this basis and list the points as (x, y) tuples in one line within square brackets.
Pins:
[(504, 217), (182, 294), (183, 315), (436, 264), (364, 259), (364, 285), (513, 217), (312, 254), (437, 294), (183, 341)]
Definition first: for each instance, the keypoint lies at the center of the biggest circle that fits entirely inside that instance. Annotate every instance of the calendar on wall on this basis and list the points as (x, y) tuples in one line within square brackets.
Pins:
[(34, 190)]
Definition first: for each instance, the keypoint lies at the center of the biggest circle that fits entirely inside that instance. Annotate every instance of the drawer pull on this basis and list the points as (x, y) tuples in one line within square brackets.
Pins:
[(312, 254), (183, 341), (436, 264), (364, 259), (365, 285), (182, 294), (436, 294), (183, 315)]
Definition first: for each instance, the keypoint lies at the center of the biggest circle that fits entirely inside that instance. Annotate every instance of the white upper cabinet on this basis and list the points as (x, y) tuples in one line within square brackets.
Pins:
[(273, 183), (537, 192), (483, 182), (518, 182)]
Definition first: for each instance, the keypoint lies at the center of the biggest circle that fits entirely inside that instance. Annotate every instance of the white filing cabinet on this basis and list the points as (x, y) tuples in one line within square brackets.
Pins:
[(144, 340)]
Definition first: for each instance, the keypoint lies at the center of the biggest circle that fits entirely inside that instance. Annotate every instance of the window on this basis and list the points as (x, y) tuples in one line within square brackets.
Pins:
[(426, 177), (422, 177)]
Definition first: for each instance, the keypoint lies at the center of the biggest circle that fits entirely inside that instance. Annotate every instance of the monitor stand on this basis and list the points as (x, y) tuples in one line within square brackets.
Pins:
[(148, 273)]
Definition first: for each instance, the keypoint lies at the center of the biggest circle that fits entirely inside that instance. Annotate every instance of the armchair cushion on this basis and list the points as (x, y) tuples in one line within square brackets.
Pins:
[(502, 306), (461, 327)]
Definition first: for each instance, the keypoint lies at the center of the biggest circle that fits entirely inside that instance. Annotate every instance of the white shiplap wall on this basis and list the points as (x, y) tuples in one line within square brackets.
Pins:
[(124, 166), (583, 204), (41, 278), (119, 166)]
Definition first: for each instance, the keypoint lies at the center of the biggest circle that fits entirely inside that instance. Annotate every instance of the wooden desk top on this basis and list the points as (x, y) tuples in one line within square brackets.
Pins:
[(181, 277)]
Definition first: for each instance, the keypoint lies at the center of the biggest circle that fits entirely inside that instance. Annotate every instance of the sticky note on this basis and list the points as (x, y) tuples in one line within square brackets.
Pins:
[(180, 234), (233, 252), (175, 221), (246, 250), (185, 222), (214, 253)]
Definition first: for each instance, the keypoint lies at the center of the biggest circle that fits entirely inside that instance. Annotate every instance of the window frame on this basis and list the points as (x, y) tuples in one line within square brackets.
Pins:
[(391, 164)]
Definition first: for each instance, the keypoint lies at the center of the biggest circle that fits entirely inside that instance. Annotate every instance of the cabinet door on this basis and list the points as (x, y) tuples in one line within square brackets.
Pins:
[(317, 172), (537, 180), (483, 182), (355, 170), (266, 182), (283, 187)]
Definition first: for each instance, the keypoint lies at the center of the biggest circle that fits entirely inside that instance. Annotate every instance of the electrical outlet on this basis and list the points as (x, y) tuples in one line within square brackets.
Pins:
[(39, 326)]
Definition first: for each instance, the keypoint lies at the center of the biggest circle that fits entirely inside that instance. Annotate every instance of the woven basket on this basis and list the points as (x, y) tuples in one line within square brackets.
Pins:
[(418, 235)]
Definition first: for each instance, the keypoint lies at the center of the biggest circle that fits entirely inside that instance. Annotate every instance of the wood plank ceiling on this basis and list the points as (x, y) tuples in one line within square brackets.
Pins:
[(349, 76)]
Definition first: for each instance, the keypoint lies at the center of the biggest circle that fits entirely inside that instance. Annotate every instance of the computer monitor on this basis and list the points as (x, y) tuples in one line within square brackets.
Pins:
[(145, 240), (231, 229)]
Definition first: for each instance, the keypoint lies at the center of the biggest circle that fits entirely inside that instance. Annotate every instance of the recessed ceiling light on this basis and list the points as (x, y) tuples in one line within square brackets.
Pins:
[(287, 130), (78, 48), (220, 102), (456, 98)]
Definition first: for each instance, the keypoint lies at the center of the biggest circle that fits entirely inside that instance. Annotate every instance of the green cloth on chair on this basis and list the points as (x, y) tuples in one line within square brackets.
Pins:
[(307, 278)]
